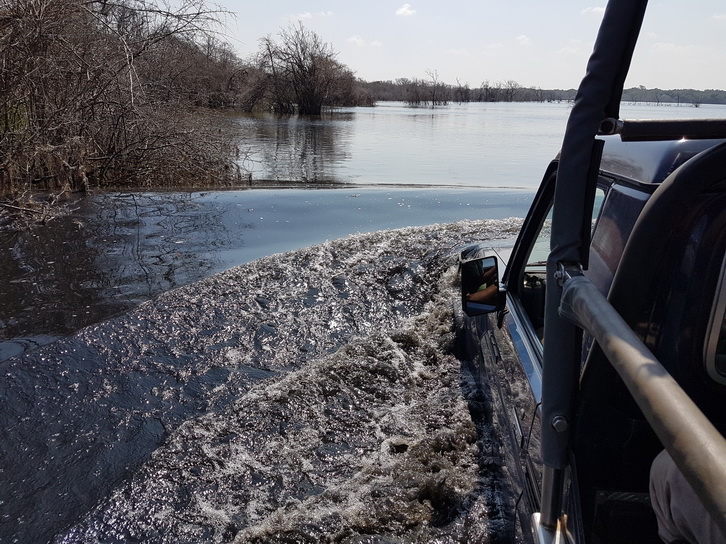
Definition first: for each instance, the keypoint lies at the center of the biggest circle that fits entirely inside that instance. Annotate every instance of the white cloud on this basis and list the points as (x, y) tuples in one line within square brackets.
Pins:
[(593, 10), (405, 11), (523, 40), (719, 17), (667, 48), (360, 42), (576, 47), (569, 50), (677, 53), (307, 15), (457, 52), (492, 49)]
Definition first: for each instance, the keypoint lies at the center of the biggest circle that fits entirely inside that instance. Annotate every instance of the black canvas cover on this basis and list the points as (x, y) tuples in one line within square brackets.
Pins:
[(598, 98)]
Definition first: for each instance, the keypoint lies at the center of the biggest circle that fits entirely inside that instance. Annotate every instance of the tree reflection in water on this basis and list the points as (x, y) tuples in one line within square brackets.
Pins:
[(112, 252), (307, 149)]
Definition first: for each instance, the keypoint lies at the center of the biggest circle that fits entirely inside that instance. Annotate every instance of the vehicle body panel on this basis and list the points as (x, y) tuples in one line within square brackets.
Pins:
[(612, 442)]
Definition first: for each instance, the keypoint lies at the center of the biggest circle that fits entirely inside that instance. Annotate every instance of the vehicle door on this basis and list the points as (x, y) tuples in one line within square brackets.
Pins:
[(520, 342)]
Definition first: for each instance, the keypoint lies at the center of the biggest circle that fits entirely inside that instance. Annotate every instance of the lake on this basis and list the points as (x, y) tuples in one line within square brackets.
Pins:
[(502, 145), (176, 370), (353, 170)]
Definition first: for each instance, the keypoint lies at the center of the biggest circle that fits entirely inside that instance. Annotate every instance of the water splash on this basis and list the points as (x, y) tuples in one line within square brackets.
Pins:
[(304, 397)]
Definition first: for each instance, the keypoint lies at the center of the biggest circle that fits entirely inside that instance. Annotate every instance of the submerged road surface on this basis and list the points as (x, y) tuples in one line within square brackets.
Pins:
[(304, 397)]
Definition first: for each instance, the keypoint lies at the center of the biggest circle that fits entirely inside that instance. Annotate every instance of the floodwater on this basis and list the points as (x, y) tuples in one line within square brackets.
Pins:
[(495, 145), (268, 365), (308, 396), (115, 251), (464, 145)]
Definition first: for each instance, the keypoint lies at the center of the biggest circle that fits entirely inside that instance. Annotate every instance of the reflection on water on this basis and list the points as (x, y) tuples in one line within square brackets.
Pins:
[(306, 149), (472, 145), (111, 253), (117, 250), (469, 145)]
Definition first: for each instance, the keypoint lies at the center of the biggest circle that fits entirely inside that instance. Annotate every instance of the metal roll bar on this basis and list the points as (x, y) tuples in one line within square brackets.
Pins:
[(598, 98), (649, 130), (695, 445)]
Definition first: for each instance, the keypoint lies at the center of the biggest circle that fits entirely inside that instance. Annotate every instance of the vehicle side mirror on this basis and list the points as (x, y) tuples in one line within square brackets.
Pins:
[(479, 283)]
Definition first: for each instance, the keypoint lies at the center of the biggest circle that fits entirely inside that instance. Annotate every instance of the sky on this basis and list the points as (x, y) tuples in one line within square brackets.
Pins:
[(537, 43)]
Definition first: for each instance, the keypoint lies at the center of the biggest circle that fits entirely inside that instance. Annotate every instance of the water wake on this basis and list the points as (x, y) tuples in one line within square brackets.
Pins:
[(305, 397)]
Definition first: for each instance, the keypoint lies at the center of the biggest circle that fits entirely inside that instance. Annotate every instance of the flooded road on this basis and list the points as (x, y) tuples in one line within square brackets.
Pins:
[(304, 397), (116, 250), (176, 369)]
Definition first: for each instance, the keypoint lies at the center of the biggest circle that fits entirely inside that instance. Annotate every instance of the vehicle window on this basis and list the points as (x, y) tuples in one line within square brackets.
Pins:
[(532, 291), (533, 287), (716, 338)]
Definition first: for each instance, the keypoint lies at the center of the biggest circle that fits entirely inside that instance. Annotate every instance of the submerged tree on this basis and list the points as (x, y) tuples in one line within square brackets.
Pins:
[(303, 72)]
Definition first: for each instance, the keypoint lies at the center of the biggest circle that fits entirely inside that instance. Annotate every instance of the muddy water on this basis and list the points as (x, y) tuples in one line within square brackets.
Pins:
[(114, 251), (309, 396)]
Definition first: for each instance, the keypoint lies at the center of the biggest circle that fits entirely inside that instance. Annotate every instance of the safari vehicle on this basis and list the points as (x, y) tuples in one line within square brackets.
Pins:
[(602, 334)]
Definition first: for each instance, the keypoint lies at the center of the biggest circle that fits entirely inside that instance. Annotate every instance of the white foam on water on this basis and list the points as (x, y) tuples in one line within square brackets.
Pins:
[(366, 437)]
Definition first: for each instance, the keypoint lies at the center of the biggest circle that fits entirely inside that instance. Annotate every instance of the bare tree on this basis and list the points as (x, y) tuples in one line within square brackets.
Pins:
[(412, 90), (96, 92), (462, 93), (303, 71), (490, 92), (511, 88), (282, 97), (438, 91)]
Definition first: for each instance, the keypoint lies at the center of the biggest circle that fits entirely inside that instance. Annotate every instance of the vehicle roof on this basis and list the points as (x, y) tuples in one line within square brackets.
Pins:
[(649, 162)]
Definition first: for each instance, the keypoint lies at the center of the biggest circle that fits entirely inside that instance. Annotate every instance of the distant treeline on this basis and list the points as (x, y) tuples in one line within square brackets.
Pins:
[(431, 91), (674, 96)]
